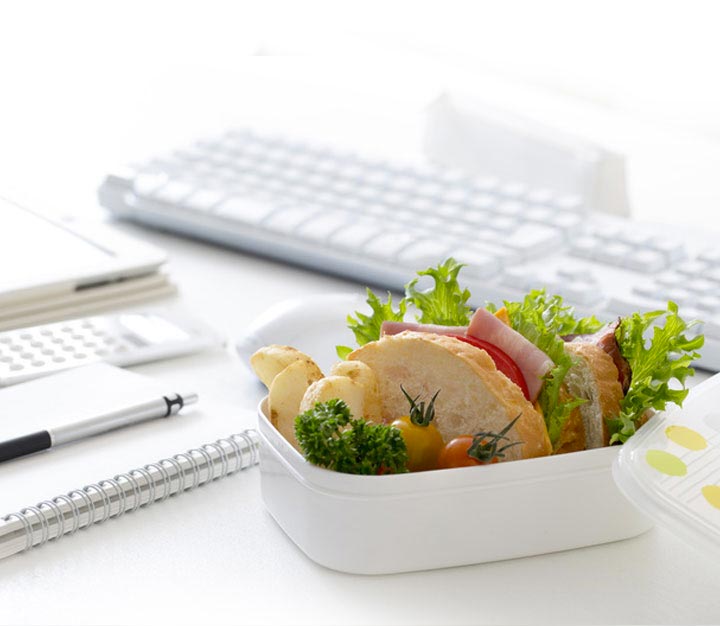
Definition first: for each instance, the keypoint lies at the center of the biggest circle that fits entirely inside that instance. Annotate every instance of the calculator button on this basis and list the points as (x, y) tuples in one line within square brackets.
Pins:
[(80, 355), (36, 344), (27, 355), (5, 359), (58, 359), (16, 347), (5, 340), (38, 363), (15, 367), (48, 351)]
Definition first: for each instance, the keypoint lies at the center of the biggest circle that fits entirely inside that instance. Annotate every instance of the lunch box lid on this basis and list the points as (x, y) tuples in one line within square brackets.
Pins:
[(670, 468)]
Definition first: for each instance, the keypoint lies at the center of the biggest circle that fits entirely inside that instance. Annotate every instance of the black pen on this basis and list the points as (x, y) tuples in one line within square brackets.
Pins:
[(45, 439)]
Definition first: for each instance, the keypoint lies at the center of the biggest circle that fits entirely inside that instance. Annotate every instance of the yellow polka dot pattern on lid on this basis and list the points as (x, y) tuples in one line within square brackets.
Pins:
[(712, 495), (666, 462), (686, 437)]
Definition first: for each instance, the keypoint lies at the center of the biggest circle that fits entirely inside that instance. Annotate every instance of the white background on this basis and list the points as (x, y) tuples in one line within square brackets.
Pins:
[(86, 86)]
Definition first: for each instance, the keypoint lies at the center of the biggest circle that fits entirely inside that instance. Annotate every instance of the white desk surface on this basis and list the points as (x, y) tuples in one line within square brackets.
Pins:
[(215, 555)]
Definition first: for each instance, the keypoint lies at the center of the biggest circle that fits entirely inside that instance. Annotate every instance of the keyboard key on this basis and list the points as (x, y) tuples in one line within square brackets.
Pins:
[(670, 279), (523, 280), (478, 264), (502, 223), (146, 184), (692, 267), (288, 219), (709, 303), (173, 192), (581, 293), (322, 226), (483, 201), (568, 222), (387, 245), (713, 274), (245, 209), (628, 306), (678, 295), (711, 256), (540, 196), (204, 199), (671, 250), (633, 238), (478, 217), (569, 203), (513, 190), (532, 239), (645, 261), (701, 286), (538, 214), (355, 234), (511, 208), (615, 253), (423, 253)]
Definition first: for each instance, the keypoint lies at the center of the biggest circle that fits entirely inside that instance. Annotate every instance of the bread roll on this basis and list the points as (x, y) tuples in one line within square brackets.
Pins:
[(474, 396)]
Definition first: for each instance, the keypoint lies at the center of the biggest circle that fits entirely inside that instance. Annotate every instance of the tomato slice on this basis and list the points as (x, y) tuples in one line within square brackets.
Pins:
[(503, 362)]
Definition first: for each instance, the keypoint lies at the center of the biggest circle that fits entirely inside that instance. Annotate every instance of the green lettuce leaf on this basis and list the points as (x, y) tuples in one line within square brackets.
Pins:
[(542, 319), (446, 302), (654, 364), (366, 328)]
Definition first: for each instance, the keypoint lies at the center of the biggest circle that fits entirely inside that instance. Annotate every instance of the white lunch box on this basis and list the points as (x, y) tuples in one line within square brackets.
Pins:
[(670, 469), (426, 520)]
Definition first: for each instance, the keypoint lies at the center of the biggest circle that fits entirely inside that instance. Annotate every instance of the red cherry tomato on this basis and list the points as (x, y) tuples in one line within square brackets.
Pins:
[(503, 362), (455, 454)]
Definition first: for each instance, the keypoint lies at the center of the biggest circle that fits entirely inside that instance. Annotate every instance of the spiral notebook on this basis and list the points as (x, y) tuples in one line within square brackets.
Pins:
[(69, 488)]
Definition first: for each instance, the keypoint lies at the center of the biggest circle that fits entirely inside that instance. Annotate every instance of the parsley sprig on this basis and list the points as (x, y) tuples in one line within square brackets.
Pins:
[(331, 438)]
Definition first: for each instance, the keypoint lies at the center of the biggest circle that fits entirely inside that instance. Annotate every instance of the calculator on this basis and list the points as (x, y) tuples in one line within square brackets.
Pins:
[(120, 339)]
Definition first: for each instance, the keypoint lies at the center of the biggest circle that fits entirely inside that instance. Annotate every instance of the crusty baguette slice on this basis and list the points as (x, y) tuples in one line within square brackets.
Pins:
[(593, 377), (474, 396)]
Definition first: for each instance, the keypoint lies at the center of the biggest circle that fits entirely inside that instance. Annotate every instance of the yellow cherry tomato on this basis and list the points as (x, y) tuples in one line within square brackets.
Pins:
[(424, 444)]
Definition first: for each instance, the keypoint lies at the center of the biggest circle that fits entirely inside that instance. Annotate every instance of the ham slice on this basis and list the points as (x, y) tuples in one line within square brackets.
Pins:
[(395, 328), (532, 361)]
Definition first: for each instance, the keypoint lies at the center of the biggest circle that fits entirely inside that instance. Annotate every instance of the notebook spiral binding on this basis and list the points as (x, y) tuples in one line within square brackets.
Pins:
[(112, 497)]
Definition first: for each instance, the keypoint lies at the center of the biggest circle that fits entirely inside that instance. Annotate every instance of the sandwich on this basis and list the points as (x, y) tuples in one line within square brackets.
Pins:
[(531, 377)]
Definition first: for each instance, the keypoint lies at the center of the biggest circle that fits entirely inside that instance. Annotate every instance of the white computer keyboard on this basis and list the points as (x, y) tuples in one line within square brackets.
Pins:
[(378, 222)]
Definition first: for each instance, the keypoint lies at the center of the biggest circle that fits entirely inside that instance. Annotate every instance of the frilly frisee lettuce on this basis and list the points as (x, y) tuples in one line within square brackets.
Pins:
[(444, 303), (655, 362)]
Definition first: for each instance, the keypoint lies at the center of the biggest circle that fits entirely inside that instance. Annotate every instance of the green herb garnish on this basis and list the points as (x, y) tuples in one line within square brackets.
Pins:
[(363, 448)]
